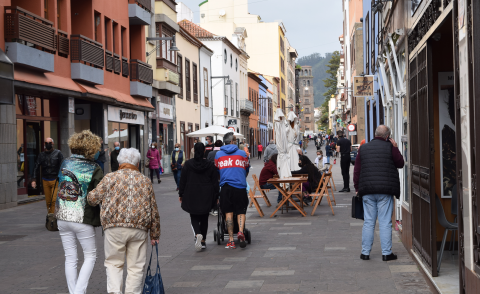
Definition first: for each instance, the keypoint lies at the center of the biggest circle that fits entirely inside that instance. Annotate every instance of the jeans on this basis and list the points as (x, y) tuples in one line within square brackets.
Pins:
[(50, 189), (70, 232), (272, 187), (119, 242), (177, 174), (381, 206), (345, 166)]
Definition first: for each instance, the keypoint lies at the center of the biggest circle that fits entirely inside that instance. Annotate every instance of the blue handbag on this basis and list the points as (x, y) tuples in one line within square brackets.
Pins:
[(153, 284)]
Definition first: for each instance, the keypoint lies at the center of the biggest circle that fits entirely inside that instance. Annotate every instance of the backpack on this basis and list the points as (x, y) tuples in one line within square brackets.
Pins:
[(332, 145)]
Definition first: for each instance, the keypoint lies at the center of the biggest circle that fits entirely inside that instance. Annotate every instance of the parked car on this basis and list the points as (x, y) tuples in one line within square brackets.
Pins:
[(353, 153)]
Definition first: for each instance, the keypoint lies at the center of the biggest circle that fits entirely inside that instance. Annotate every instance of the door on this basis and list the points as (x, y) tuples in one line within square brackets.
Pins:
[(34, 140), (421, 130)]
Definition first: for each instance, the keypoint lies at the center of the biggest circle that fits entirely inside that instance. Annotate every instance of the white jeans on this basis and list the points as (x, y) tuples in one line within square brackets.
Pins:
[(70, 232), (118, 243)]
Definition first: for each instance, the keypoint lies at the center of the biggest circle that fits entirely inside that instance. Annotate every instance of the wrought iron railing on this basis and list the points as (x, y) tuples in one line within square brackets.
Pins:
[(141, 71), (22, 25), (85, 50)]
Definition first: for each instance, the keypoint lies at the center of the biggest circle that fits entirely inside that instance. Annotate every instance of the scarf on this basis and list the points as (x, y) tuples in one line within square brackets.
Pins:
[(127, 165)]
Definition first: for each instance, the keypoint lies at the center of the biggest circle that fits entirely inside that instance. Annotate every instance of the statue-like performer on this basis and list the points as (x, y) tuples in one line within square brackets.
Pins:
[(283, 160), (292, 137)]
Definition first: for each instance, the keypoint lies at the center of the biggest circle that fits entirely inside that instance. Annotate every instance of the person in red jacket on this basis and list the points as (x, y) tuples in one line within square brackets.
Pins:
[(260, 150), (268, 171)]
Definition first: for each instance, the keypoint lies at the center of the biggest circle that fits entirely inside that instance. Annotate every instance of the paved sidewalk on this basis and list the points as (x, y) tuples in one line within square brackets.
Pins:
[(289, 253)]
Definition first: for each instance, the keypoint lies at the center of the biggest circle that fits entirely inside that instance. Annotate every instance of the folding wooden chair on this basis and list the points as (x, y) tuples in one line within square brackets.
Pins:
[(324, 192), (263, 192), (319, 187), (253, 200)]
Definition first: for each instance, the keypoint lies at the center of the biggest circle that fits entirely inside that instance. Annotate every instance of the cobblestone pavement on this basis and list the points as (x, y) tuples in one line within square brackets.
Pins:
[(289, 253)]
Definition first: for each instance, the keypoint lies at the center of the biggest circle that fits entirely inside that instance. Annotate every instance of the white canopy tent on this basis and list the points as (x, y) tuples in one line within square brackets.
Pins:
[(213, 131)]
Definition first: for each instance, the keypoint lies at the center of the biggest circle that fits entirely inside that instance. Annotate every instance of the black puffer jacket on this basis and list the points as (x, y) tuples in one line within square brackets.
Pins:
[(50, 163), (199, 186)]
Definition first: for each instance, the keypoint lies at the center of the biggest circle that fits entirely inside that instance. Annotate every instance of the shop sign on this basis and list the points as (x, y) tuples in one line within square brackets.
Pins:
[(363, 86), (71, 105), (232, 122), (165, 111), (125, 115)]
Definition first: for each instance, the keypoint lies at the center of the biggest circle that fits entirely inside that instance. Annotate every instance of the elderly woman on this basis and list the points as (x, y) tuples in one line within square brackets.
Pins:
[(129, 210), (199, 189), (76, 219)]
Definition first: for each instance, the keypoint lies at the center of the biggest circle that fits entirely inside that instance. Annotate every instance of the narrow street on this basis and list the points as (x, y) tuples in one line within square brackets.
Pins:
[(289, 253)]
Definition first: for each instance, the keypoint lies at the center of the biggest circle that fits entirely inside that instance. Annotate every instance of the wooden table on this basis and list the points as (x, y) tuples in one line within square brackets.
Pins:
[(295, 184)]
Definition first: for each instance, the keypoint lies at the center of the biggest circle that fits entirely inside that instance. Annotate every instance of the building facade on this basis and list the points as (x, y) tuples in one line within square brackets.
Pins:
[(307, 121), (65, 90)]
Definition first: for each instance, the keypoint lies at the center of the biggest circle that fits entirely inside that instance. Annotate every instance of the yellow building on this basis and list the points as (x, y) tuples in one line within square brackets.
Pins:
[(265, 43)]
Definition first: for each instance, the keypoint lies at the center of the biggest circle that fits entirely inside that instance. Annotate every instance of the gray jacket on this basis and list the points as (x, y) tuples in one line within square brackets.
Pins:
[(269, 151)]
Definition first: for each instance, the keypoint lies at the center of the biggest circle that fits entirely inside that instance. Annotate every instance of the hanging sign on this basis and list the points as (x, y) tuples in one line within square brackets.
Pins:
[(363, 86)]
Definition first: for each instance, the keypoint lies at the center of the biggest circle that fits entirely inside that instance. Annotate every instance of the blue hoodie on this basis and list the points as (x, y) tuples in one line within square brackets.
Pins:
[(233, 166)]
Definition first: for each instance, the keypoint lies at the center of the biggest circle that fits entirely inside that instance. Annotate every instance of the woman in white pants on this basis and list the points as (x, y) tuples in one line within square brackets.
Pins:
[(78, 175)]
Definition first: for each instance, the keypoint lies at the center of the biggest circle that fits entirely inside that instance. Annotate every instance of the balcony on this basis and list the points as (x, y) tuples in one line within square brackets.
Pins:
[(108, 61), (246, 107), (63, 43), (169, 86), (124, 66), (141, 78), (139, 12), (117, 64), (29, 39), (87, 58)]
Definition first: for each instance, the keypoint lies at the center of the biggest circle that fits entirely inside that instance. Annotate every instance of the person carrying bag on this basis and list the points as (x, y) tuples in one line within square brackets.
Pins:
[(153, 284)]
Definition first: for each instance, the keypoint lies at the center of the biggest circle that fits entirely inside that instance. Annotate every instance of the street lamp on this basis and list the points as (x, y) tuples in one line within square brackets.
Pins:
[(227, 83), (172, 48), (6, 79)]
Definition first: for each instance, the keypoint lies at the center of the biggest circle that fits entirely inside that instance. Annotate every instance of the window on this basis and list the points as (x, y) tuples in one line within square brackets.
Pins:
[(122, 36), (308, 83), (232, 106), (114, 33), (163, 49), (236, 64), (225, 55), (180, 75), (187, 80), (97, 27), (107, 23), (195, 83), (304, 83), (225, 109), (373, 45), (45, 8), (205, 86), (283, 85), (282, 46)]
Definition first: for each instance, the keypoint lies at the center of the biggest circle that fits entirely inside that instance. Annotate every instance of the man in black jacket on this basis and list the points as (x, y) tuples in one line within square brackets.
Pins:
[(113, 157), (344, 147), (49, 161), (376, 180)]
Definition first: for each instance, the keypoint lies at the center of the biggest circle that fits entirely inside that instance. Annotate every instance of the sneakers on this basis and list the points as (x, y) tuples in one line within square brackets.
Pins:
[(204, 246), (215, 212), (241, 240), (231, 245), (198, 242)]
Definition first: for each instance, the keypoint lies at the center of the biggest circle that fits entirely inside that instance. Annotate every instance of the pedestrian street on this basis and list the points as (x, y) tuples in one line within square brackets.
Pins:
[(288, 253)]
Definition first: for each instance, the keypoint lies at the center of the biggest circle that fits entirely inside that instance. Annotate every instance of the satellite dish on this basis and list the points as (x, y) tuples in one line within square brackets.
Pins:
[(222, 12)]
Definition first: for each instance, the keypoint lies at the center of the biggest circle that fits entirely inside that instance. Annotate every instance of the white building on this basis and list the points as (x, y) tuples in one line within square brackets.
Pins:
[(183, 12), (206, 103)]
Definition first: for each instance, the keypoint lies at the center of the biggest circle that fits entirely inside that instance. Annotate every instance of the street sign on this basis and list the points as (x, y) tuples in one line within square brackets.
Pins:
[(363, 86), (353, 133), (351, 127)]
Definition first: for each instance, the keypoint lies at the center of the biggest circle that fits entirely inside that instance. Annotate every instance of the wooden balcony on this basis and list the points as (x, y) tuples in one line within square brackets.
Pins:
[(108, 60), (124, 67), (63, 43), (22, 25), (141, 71), (117, 64), (87, 51)]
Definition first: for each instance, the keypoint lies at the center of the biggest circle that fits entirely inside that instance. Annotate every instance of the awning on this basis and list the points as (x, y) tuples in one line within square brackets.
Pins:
[(120, 97)]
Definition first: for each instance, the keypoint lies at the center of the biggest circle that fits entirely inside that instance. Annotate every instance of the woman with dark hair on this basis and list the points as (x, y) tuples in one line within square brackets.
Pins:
[(198, 192), (314, 175)]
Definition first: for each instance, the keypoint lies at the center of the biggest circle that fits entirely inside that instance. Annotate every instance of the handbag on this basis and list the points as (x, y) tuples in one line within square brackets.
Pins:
[(357, 207), (147, 162), (153, 284), (51, 219)]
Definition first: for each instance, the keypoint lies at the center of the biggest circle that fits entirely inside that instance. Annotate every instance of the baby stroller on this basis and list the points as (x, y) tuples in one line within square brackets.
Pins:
[(221, 231)]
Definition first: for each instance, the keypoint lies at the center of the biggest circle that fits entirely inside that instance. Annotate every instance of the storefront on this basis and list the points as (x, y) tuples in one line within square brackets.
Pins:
[(125, 126), (165, 139), (37, 119)]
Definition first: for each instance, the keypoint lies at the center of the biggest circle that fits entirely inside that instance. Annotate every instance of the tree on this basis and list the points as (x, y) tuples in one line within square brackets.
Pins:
[(331, 82)]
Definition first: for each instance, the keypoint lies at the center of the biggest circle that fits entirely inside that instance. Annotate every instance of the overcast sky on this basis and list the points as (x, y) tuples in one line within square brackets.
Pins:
[(312, 25)]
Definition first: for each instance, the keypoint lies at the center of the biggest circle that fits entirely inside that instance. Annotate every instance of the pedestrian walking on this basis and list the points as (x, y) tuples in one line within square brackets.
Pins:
[(344, 147), (209, 146), (49, 161), (100, 158), (155, 162), (129, 211), (113, 156), (216, 148), (177, 163), (76, 219), (245, 149), (192, 151), (268, 171), (234, 167), (198, 193), (376, 180), (260, 150), (328, 152), (270, 150)]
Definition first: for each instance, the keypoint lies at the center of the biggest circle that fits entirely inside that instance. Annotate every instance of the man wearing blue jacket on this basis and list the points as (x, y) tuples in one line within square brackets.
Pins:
[(233, 166)]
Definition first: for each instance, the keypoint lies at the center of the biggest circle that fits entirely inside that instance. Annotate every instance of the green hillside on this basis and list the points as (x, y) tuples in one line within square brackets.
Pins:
[(319, 71)]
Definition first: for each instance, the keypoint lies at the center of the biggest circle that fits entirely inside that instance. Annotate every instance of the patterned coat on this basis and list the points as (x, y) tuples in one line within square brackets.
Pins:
[(127, 200)]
